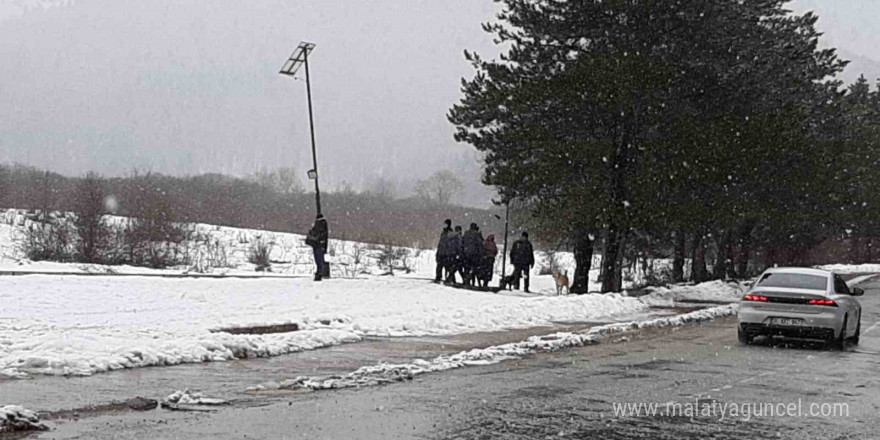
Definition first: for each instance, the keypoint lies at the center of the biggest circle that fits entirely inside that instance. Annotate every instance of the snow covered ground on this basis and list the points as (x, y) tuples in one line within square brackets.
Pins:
[(51, 324), (708, 292)]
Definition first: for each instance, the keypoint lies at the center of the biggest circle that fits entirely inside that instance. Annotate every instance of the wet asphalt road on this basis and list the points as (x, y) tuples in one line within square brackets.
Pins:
[(567, 394)]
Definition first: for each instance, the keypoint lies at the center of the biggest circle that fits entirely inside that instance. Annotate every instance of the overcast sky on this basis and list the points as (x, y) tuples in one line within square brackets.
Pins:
[(184, 87)]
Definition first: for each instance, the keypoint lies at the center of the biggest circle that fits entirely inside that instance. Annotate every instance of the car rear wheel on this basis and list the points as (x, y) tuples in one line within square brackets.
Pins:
[(855, 338), (743, 337), (840, 341)]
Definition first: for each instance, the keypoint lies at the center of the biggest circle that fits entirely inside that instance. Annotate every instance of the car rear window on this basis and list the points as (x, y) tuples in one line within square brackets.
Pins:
[(794, 281)]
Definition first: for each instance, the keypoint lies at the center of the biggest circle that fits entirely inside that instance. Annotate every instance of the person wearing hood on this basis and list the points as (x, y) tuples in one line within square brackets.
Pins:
[(490, 251), (318, 238), (444, 252)]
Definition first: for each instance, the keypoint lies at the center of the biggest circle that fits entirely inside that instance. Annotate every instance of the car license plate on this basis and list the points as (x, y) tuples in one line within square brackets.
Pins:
[(786, 321)]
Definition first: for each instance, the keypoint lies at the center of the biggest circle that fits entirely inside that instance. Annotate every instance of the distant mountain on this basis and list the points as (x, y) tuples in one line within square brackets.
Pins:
[(859, 65)]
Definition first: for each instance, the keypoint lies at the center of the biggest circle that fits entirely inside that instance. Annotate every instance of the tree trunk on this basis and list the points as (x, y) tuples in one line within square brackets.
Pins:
[(722, 256), (698, 260), (855, 256), (583, 259), (731, 268), (621, 252), (678, 257), (610, 260), (745, 248)]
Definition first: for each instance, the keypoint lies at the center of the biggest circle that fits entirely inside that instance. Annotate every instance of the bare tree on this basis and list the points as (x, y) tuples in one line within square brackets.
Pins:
[(441, 187), (382, 188), (91, 229), (281, 180)]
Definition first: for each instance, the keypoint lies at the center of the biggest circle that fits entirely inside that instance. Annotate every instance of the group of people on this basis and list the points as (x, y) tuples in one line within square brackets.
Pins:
[(467, 254), (473, 257)]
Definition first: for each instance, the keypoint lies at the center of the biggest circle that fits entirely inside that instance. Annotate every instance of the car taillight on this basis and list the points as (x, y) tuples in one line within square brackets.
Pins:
[(752, 297), (823, 302)]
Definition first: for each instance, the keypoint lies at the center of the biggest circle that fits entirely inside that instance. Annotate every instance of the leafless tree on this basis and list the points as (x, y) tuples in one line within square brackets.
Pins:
[(91, 228), (281, 180), (382, 188), (440, 187)]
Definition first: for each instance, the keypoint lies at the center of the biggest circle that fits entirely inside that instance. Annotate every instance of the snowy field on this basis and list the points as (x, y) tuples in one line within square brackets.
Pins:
[(52, 324)]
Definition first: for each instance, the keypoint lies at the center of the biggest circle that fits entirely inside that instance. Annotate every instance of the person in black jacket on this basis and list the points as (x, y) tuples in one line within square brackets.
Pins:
[(318, 238), (444, 251), (522, 256), (455, 255), (472, 247)]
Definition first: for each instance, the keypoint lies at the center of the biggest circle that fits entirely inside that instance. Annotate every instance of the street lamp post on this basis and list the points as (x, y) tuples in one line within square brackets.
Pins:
[(299, 58), (504, 255)]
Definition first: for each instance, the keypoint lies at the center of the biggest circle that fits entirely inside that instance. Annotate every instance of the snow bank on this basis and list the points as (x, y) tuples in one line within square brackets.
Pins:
[(71, 325), (17, 418), (388, 373), (187, 397), (851, 268), (710, 292)]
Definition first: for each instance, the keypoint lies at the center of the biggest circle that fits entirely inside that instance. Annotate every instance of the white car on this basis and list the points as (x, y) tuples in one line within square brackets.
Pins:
[(800, 303)]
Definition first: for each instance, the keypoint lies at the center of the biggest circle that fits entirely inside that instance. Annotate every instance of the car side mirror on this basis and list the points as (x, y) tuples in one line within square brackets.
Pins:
[(857, 291)]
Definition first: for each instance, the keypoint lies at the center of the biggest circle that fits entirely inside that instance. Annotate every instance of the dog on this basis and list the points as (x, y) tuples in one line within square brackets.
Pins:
[(507, 282), (561, 282)]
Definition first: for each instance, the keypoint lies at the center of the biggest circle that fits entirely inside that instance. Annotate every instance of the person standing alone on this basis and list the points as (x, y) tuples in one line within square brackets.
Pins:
[(317, 238), (522, 256)]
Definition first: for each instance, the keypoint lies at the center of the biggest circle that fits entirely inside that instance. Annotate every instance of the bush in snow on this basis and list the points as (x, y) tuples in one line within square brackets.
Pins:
[(205, 252), (258, 254), (551, 264), (351, 260), (389, 256), (49, 240)]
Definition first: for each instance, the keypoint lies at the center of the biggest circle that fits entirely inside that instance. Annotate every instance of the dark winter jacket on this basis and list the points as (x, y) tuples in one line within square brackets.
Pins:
[(454, 244), (522, 253), (489, 247), (444, 248), (321, 232), (472, 243)]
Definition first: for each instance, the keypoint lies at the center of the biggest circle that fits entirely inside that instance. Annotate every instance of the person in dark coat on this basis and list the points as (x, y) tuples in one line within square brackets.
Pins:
[(455, 255), (472, 246), (490, 251), (522, 256), (318, 239), (443, 252)]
